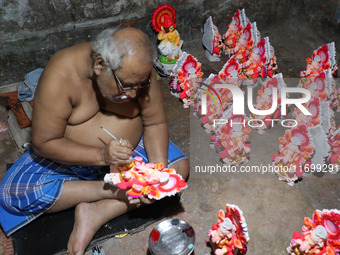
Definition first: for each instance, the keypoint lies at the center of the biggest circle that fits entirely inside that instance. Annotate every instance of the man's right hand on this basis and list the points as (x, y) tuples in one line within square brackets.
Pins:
[(117, 152)]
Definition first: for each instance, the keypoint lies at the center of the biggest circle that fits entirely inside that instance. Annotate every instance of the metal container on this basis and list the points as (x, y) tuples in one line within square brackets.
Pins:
[(172, 237)]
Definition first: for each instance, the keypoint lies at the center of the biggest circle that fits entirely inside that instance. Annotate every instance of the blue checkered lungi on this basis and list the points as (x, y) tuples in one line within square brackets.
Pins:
[(33, 184)]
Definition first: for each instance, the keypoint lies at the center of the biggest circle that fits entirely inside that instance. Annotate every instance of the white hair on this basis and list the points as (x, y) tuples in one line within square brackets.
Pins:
[(113, 49)]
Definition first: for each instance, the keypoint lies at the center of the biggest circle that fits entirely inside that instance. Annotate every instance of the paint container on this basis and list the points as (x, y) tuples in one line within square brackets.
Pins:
[(172, 237)]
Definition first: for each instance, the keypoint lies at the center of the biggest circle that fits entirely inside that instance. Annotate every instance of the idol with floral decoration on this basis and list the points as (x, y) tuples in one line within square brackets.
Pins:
[(213, 109), (295, 152), (163, 21), (249, 38), (146, 179), (258, 62), (212, 41), (320, 235), (235, 28), (321, 86), (220, 138), (240, 45), (231, 77), (195, 85), (323, 58), (267, 55), (327, 56), (265, 102), (229, 235), (253, 71), (217, 101), (185, 95), (180, 86), (314, 108), (231, 72), (231, 138), (320, 122), (238, 150), (313, 67)]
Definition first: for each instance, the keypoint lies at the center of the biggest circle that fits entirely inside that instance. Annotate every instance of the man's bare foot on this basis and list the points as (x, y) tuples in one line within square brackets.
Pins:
[(86, 224)]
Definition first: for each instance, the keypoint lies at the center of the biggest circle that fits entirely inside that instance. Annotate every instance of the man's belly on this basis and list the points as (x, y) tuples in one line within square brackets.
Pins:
[(90, 133)]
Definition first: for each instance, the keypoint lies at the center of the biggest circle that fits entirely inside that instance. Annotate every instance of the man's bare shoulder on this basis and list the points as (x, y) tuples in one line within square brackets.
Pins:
[(69, 60), (65, 67)]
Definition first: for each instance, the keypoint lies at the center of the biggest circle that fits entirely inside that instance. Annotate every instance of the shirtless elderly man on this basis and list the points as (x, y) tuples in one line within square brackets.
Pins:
[(109, 83)]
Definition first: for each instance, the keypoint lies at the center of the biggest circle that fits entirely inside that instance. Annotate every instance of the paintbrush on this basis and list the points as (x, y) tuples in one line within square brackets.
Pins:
[(109, 133)]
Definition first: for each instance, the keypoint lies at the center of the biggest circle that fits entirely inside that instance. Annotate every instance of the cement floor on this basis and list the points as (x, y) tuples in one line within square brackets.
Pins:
[(272, 209)]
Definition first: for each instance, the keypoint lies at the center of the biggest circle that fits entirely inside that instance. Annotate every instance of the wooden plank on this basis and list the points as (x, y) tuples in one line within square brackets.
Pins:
[(10, 87), (27, 108), (20, 135)]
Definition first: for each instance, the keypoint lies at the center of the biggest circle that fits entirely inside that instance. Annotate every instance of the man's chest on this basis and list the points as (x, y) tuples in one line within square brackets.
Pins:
[(84, 110)]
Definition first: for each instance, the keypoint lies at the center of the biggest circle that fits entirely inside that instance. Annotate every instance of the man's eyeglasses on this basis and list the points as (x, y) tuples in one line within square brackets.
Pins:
[(143, 85)]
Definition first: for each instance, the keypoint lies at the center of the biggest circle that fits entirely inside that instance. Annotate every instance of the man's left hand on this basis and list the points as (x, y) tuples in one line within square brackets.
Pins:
[(141, 200)]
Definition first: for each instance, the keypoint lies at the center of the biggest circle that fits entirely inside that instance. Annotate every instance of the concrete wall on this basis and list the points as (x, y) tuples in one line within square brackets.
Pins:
[(32, 30), (22, 19)]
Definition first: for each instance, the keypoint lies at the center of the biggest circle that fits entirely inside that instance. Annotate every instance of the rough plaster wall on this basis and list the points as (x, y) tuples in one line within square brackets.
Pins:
[(21, 19), (267, 12), (32, 30)]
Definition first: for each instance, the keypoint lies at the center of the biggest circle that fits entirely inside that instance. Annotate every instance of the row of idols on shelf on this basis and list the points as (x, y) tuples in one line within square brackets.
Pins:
[(320, 234), (309, 141), (243, 41)]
